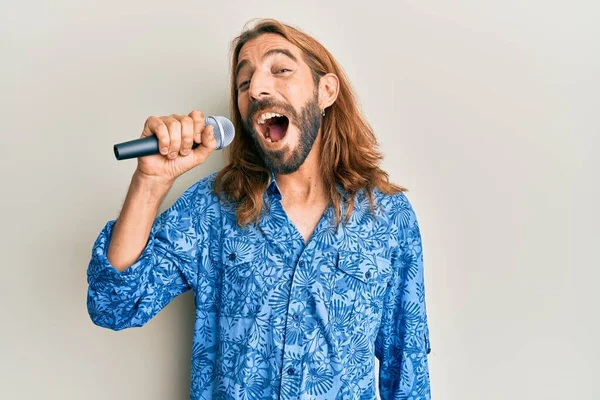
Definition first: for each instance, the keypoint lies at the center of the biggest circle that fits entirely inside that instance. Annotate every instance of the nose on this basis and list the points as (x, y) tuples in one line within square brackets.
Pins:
[(260, 86)]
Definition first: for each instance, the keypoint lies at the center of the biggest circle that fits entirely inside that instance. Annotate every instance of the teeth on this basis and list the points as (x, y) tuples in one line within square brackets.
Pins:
[(266, 116)]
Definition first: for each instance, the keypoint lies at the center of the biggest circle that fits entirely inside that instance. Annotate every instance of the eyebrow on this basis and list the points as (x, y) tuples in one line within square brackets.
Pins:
[(269, 53)]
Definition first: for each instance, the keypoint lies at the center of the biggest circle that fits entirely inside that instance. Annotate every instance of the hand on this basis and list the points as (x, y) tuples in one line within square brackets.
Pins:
[(176, 135)]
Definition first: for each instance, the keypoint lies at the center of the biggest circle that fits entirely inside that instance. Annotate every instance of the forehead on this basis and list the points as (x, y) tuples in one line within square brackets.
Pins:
[(254, 49)]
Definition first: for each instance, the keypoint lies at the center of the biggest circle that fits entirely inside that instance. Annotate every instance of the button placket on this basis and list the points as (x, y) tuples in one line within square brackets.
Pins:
[(292, 371)]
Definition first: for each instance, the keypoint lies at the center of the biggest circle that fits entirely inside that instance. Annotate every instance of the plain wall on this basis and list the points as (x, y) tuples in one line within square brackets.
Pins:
[(488, 111)]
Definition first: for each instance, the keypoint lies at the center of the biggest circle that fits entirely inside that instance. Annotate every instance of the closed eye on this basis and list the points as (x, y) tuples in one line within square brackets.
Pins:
[(243, 84)]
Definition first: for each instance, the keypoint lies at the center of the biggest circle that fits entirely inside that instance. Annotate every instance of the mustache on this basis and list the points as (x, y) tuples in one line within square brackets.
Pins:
[(261, 105)]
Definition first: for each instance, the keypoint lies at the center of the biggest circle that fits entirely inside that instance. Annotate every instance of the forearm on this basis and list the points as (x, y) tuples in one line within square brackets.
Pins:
[(132, 228)]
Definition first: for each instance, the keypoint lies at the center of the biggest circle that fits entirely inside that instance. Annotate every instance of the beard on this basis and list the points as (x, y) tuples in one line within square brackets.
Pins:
[(308, 122)]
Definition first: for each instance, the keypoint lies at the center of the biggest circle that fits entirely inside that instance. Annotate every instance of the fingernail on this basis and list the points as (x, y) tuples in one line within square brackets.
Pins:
[(164, 150), (198, 136), (185, 152), (173, 154)]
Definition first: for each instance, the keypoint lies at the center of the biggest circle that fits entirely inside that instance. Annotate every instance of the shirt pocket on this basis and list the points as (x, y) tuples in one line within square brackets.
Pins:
[(361, 284), (241, 284)]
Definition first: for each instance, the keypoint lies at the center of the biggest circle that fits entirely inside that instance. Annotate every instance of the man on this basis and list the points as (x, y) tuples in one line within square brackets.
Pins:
[(304, 260)]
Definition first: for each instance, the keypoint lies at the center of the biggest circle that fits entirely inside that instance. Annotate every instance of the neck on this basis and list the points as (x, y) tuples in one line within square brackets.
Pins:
[(306, 185)]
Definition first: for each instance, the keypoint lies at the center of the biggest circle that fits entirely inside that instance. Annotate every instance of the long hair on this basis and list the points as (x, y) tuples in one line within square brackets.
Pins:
[(349, 156)]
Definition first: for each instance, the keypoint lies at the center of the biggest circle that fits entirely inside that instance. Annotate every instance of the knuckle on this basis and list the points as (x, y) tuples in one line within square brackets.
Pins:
[(161, 134), (161, 130), (152, 122), (198, 118), (172, 123), (196, 114)]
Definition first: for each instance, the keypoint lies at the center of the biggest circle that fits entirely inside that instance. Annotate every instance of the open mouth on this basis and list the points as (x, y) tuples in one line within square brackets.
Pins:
[(273, 126)]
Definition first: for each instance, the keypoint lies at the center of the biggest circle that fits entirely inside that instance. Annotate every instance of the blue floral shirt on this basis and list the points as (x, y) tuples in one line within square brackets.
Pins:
[(275, 318)]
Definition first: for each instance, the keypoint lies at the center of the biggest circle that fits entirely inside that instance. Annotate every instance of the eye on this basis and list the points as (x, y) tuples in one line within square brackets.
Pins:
[(243, 84), (282, 70)]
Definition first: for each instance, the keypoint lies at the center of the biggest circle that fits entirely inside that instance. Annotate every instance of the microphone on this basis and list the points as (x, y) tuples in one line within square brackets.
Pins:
[(223, 132)]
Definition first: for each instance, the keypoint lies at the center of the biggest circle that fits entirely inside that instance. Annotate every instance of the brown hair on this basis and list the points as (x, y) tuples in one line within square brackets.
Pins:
[(349, 155)]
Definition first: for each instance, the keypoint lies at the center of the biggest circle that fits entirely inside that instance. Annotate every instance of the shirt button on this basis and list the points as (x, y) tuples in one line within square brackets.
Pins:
[(295, 316), (368, 274), (291, 371), (301, 264)]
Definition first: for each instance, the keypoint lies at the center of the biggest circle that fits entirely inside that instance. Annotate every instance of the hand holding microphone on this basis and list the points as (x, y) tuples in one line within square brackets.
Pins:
[(168, 147), (172, 145)]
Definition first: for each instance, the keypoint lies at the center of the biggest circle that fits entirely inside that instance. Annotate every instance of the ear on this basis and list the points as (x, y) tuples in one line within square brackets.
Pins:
[(329, 87)]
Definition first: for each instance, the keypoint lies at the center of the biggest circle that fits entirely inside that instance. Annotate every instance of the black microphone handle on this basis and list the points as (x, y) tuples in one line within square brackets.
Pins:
[(223, 132), (139, 148)]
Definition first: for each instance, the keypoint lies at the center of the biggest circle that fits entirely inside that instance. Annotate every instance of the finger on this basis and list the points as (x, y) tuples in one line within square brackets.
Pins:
[(156, 126), (199, 123), (187, 134), (174, 127), (207, 146)]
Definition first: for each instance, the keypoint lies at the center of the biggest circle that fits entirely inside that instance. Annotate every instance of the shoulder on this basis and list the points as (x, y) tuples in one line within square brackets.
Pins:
[(399, 212), (202, 187), (395, 207), (199, 193), (205, 185), (394, 204)]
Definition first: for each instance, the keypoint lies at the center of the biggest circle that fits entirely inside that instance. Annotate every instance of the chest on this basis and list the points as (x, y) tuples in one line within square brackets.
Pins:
[(323, 284), (304, 217)]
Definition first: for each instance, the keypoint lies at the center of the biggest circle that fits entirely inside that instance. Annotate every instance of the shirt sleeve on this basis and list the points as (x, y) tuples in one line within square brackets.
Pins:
[(165, 269), (402, 344)]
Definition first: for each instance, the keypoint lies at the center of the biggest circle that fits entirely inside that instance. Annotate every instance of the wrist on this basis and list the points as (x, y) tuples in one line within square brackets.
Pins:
[(151, 186), (152, 180)]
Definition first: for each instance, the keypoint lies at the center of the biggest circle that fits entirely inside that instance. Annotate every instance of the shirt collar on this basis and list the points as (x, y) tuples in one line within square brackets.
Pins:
[(273, 188)]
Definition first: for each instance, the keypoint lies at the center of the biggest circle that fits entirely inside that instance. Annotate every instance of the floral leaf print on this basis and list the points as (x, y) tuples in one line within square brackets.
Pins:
[(237, 251), (326, 237), (401, 213), (357, 351), (253, 377), (277, 318), (340, 315), (279, 300), (318, 381)]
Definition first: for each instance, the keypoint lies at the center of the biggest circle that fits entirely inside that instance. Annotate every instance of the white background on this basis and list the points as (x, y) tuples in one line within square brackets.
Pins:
[(488, 111)]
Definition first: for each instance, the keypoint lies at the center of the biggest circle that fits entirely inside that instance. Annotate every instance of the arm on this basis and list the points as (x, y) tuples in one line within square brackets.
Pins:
[(131, 230), (154, 259), (402, 344)]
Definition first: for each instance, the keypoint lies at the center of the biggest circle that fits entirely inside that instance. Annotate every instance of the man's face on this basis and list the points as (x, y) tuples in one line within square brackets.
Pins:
[(278, 101)]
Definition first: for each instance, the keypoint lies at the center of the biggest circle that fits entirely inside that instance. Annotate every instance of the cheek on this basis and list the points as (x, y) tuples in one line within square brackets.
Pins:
[(243, 107), (297, 94)]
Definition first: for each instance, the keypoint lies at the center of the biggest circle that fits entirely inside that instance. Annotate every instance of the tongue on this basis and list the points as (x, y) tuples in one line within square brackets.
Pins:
[(276, 132)]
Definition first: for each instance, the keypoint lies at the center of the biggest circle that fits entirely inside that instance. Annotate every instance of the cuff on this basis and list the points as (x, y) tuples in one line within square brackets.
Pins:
[(100, 268)]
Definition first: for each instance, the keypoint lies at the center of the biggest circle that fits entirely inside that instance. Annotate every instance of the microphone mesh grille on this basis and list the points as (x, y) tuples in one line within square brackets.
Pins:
[(223, 130)]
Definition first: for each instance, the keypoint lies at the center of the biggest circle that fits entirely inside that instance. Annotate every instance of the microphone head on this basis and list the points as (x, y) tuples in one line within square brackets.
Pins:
[(223, 130)]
